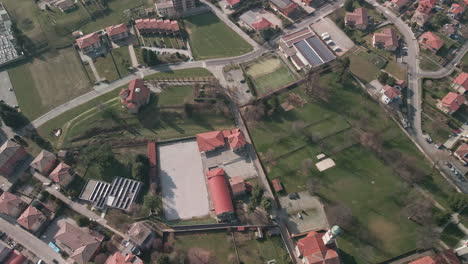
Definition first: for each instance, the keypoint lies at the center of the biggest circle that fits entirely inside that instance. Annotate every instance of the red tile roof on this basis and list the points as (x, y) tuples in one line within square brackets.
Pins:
[(237, 185), (81, 241), (233, 2), (116, 29), (43, 161), (30, 217), (157, 24), (219, 192), (210, 140), (431, 40), (387, 36), (87, 40), (453, 101), (401, 83), (400, 3), (426, 6), (236, 140), (262, 24), (462, 151), (118, 258), (359, 16), (456, 9), (15, 257), (315, 251), (10, 203), (61, 173), (391, 92), (277, 185), (462, 80), (135, 94)]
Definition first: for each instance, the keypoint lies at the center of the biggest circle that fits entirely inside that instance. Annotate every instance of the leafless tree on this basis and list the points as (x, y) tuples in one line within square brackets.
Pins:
[(406, 167), (341, 215), (419, 210), (254, 113), (269, 155), (427, 237), (313, 87), (306, 164), (294, 100), (100, 258), (313, 185), (157, 244), (371, 141)]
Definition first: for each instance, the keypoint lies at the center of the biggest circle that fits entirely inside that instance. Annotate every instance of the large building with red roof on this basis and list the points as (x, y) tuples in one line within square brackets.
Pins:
[(31, 219), (286, 7), (461, 83), (357, 19), (15, 257), (157, 26), (220, 196), (431, 41), (386, 39), (319, 248), (117, 32), (135, 95), (11, 154), (451, 102), (90, 44), (210, 141), (11, 204)]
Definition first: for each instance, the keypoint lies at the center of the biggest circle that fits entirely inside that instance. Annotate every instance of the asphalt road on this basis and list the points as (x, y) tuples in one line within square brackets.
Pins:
[(29, 241)]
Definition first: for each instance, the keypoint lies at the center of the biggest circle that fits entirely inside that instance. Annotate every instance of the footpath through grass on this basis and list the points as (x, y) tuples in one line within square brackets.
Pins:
[(210, 38), (360, 180)]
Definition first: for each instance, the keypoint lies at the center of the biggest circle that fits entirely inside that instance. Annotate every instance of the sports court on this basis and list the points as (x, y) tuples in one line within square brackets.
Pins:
[(268, 73), (184, 191)]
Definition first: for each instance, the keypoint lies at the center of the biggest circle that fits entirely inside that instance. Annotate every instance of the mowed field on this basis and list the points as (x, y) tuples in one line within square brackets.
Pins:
[(210, 38), (46, 82), (269, 73), (361, 181)]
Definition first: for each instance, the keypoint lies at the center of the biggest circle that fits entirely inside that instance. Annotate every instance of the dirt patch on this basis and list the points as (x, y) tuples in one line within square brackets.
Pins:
[(384, 230), (200, 256)]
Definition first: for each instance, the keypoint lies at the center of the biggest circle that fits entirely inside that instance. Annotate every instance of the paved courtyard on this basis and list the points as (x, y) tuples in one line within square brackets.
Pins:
[(6, 95), (312, 215), (232, 163), (184, 191), (336, 34)]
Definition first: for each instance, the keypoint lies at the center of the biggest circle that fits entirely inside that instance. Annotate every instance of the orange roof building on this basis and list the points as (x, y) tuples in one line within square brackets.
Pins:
[(431, 41), (135, 95), (89, 43), (456, 11), (445, 257), (31, 219), (386, 39), (44, 162), (118, 258), (220, 195), (210, 141), (11, 204), (62, 174), (277, 186), (451, 102), (390, 93), (357, 19), (236, 140), (237, 185), (318, 248), (117, 32), (461, 82)]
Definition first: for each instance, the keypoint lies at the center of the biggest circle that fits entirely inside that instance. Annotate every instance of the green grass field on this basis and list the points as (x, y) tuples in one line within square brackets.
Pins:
[(210, 38), (360, 180), (428, 65), (122, 60), (106, 68), (362, 67), (268, 74), (184, 73), (47, 82)]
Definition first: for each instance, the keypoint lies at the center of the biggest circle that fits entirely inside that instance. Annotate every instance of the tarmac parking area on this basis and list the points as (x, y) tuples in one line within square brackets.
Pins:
[(336, 34)]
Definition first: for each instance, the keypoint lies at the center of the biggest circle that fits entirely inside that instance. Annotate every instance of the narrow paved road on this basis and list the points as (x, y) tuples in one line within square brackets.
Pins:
[(449, 68), (32, 243)]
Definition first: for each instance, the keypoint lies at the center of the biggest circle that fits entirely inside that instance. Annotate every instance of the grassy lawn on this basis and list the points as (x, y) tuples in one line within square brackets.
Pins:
[(176, 95), (218, 245), (106, 68), (427, 64), (360, 180), (464, 217), (268, 74), (396, 70), (362, 68), (210, 38), (252, 250), (122, 60), (452, 235), (115, 14), (44, 83), (184, 73)]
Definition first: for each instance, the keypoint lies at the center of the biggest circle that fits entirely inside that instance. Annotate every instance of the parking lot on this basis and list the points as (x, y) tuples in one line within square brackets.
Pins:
[(6, 89), (336, 34), (183, 186), (232, 163)]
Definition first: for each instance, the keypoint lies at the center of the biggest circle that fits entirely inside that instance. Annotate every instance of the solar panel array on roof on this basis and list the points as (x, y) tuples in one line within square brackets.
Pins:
[(309, 54), (314, 51), (321, 49)]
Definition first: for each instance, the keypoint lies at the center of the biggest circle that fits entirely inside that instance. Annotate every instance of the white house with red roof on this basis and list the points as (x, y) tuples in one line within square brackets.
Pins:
[(451, 103), (390, 94), (135, 95), (63, 174), (232, 3), (157, 26), (461, 83), (11, 204), (220, 195), (11, 154), (422, 14), (31, 219), (319, 248), (456, 11), (117, 32), (357, 19), (429, 40), (386, 39), (90, 44), (44, 162), (462, 153)]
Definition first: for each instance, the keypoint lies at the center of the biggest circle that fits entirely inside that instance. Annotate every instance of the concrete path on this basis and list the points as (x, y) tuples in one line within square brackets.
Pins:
[(6, 95), (93, 68), (32, 243), (173, 51), (133, 56)]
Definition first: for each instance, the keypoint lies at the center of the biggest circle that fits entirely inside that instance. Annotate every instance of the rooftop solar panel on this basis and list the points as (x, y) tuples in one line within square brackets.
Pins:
[(320, 48), (308, 53)]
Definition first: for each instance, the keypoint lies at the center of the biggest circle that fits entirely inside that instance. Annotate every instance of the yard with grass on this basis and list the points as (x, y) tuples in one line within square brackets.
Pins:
[(365, 66), (268, 73), (44, 83), (428, 64), (160, 41), (361, 180), (184, 73), (210, 38)]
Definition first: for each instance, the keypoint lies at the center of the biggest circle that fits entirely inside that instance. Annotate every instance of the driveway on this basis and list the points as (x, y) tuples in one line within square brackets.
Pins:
[(6, 95), (183, 186)]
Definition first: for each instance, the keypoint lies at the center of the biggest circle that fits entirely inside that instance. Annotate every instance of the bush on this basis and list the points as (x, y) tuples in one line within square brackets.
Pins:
[(441, 217), (383, 77), (12, 117), (457, 201), (82, 221)]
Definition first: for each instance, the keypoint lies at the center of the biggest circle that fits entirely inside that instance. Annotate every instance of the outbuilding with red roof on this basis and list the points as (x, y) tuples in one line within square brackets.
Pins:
[(390, 94), (220, 196), (210, 140), (451, 102), (461, 83), (232, 3), (456, 11), (431, 41)]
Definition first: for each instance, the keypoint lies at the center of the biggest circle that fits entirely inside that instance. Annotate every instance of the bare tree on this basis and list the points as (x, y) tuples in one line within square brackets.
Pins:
[(313, 87), (306, 164), (294, 100), (340, 214), (254, 113), (313, 185), (418, 210), (269, 155), (427, 237), (371, 141), (406, 167)]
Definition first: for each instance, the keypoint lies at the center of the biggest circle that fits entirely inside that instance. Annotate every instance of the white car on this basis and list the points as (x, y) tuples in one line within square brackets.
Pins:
[(324, 34), (326, 37), (329, 42), (336, 48)]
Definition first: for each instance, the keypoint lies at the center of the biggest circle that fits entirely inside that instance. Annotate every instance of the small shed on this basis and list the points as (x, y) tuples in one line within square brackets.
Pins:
[(277, 186)]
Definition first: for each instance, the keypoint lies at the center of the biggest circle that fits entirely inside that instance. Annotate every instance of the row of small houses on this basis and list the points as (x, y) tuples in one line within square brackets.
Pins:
[(93, 45)]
